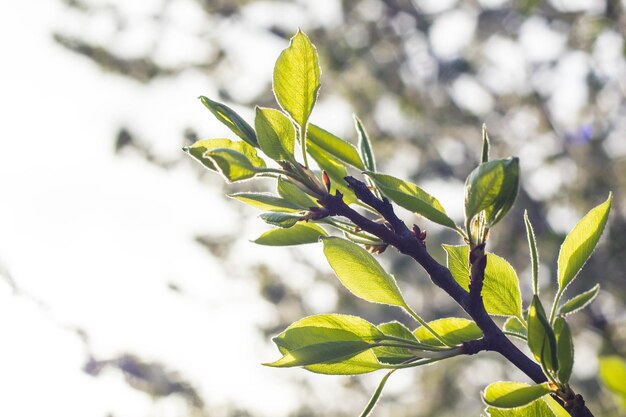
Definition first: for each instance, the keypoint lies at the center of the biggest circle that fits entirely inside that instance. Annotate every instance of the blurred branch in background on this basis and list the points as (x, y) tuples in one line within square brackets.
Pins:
[(548, 78)]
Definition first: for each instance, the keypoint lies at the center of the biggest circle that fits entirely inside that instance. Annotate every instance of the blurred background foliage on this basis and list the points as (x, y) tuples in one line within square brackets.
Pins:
[(547, 77)]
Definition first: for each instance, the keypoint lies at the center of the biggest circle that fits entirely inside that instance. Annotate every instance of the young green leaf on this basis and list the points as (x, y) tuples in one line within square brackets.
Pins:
[(501, 293), (295, 195), (396, 355), (360, 273), (541, 339), (298, 234), (335, 146), (397, 329), (454, 329), (538, 408), (324, 338), (565, 349), (232, 165), (491, 187), (580, 243), (372, 402), (613, 374), (232, 120), (365, 147), (198, 149), (485, 154), (515, 327), (284, 220), (534, 257), (297, 79), (275, 133), (412, 198), (266, 201), (579, 302), (513, 394)]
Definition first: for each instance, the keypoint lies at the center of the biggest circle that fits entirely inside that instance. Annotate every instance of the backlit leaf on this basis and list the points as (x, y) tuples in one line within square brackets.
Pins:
[(514, 325), (284, 220), (295, 195), (412, 198), (513, 394), (580, 243), (297, 78), (233, 166), (335, 170), (365, 147), (534, 257), (455, 330), (541, 339), (232, 120), (335, 146), (298, 234), (198, 149), (565, 349), (580, 301), (501, 293), (613, 374), (266, 201), (360, 273), (275, 133)]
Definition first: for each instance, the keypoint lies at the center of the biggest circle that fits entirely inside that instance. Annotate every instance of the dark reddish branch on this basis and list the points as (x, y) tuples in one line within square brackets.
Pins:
[(397, 234)]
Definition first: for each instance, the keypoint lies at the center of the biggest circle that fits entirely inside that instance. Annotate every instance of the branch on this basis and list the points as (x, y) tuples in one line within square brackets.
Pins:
[(398, 235)]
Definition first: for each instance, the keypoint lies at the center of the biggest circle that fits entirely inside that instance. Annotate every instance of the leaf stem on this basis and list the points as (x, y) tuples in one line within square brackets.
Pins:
[(426, 326), (302, 132)]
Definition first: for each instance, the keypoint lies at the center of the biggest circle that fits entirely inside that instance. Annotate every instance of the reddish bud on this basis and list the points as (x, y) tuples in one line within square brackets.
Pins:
[(326, 180)]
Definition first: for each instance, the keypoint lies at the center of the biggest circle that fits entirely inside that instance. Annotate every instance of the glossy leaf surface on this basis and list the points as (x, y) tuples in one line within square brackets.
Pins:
[(513, 394), (298, 234)]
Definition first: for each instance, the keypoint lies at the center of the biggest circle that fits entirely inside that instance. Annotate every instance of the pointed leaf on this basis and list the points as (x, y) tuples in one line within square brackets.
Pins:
[(360, 273), (492, 187), (455, 330), (298, 234), (485, 154), (412, 198), (266, 201), (198, 149), (565, 349), (297, 78), (580, 243), (513, 394), (534, 257), (365, 147), (295, 195), (232, 165), (275, 133), (335, 146), (501, 293), (324, 338), (580, 301), (232, 120), (541, 339)]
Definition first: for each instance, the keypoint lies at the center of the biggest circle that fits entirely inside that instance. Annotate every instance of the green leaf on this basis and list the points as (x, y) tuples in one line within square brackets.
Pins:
[(298, 234), (412, 198), (198, 149), (556, 408), (613, 374), (395, 355), (335, 170), (397, 329), (537, 408), (580, 301), (513, 394), (516, 327), (491, 187), (266, 201), (379, 390), (454, 329), (361, 363), (365, 147), (297, 79), (360, 273), (335, 146), (276, 134), (485, 153), (295, 195), (284, 220), (232, 165), (580, 243), (541, 339), (565, 349), (534, 257), (501, 293), (324, 339), (232, 120)]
